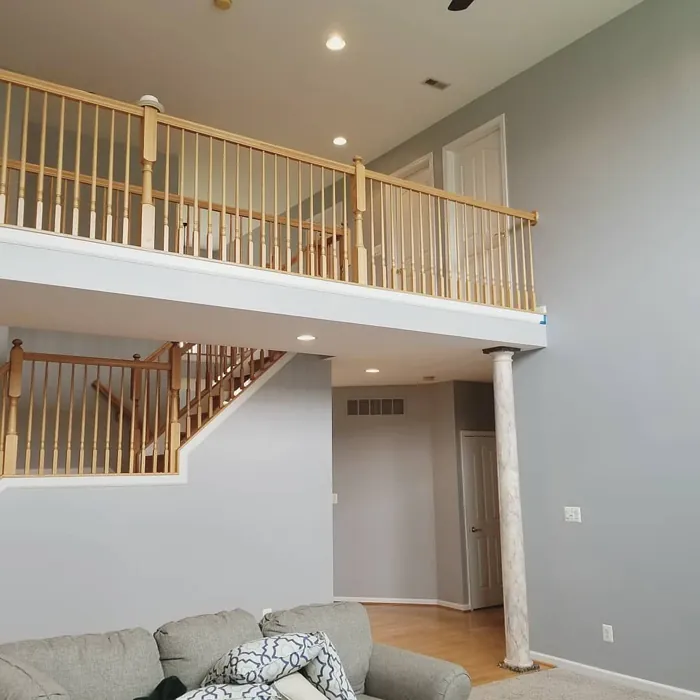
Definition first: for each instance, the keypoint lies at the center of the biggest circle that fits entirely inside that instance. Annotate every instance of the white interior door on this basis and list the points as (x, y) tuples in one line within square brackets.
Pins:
[(482, 522), (476, 167)]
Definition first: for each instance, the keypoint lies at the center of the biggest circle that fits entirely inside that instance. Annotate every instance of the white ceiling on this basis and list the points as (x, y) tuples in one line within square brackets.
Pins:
[(262, 69)]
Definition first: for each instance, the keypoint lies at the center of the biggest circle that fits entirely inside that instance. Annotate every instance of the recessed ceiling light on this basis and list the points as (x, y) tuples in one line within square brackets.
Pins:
[(372, 370), (340, 141), (335, 42), (306, 338)]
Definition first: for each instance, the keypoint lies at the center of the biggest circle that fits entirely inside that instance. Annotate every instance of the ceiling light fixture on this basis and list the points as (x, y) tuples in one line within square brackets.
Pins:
[(223, 4), (306, 338), (335, 42), (372, 370), (340, 141)]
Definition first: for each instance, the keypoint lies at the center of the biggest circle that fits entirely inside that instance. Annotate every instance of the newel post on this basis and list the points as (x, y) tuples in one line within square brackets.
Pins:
[(175, 385), (14, 391), (359, 198), (149, 155)]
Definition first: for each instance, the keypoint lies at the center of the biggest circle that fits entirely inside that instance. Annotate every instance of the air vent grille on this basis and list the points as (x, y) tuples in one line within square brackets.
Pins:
[(376, 407), (435, 83)]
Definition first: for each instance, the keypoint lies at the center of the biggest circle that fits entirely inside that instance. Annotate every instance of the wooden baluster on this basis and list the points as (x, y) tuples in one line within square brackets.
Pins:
[(42, 164), (372, 241), (127, 191), (210, 210), (334, 235), (324, 252), (385, 261), (533, 295), (81, 448), (155, 433), (14, 391), (423, 280), (275, 221), (263, 222), (30, 420), (181, 245), (223, 245), (346, 234), (188, 394), (300, 235), (149, 154), (135, 432), (59, 169), (69, 433), (313, 270), (251, 249), (56, 427), (23, 161), (288, 257), (166, 197), (4, 157), (108, 423), (237, 252), (120, 429), (145, 434), (96, 425), (174, 398), (199, 388), (42, 439)]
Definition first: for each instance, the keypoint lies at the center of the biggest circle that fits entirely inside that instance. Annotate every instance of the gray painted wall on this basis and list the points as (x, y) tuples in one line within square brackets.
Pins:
[(603, 140), (384, 522), (252, 528), (398, 522)]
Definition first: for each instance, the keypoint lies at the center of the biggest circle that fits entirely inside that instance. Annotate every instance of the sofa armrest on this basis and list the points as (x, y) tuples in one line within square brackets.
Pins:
[(396, 674)]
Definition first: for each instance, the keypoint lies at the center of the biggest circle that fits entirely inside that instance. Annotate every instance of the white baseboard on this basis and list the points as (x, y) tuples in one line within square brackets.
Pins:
[(403, 601), (668, 691), (462, 607)]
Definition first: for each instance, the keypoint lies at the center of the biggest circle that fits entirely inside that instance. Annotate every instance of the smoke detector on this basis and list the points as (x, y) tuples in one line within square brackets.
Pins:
[(223, 4)]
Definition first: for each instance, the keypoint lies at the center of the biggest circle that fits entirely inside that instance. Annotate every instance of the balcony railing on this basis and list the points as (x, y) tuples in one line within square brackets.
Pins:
[(77, 164)]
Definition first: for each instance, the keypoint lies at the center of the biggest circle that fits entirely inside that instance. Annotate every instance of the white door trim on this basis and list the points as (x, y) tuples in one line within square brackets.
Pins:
[(423, 163), (448, 153), (467, 572)]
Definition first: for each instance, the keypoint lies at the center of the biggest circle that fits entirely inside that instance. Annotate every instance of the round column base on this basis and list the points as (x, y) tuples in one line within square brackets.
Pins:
[(519, 669)]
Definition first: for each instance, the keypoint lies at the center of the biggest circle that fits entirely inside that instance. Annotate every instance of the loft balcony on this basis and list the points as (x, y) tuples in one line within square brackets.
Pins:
[(86, 166)]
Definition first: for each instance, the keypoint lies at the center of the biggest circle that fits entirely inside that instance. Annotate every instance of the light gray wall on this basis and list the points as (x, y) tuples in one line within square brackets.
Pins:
[(252, 528), (603, 140), (384, 522)]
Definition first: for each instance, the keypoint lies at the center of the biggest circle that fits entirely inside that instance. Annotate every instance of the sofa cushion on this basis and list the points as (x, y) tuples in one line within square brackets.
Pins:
[(296, 687), (190, 647), (21, 681), (265, 660), (347, 625), (113, 666)]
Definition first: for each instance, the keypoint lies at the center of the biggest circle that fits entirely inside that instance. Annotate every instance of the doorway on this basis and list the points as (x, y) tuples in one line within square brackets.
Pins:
[(481, 519), (475, 166)]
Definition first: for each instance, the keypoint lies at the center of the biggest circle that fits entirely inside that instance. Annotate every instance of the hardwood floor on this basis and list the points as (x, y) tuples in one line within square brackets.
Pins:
[(474, 640)]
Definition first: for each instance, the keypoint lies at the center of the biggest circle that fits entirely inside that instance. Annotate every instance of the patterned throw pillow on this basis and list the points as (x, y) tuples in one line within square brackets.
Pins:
[(326, 672), (233, 692), (264, 660)]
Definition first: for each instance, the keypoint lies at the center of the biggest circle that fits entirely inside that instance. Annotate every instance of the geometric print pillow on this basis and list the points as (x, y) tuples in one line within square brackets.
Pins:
[(326, 671), (233, 692), (264, 660)]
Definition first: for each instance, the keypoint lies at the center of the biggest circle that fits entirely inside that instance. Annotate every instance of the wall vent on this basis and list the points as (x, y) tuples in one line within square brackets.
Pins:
[(376, 407), (435, 83)]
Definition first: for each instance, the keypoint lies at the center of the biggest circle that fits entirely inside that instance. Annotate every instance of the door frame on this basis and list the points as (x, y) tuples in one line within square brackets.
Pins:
[(463, 503), (423, 163), (448, 153)]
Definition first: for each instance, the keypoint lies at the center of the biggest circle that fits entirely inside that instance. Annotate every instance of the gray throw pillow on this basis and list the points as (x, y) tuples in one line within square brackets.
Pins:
[(20, 681)]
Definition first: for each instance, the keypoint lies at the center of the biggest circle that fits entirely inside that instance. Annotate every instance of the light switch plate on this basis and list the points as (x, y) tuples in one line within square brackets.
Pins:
[(335, 499), (572, 514)]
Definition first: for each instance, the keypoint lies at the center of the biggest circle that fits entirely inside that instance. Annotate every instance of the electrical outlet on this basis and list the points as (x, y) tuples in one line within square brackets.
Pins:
[(572, 514), (608, 634)]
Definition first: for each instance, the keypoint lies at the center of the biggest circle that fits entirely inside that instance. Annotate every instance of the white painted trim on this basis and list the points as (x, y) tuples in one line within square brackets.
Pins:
[(462, 607), (402, 601), (668, 691), (423, 163), (94, 249), (45, 482)]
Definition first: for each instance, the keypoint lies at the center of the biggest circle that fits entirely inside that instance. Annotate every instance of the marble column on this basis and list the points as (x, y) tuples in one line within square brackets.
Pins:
[(512, 553)]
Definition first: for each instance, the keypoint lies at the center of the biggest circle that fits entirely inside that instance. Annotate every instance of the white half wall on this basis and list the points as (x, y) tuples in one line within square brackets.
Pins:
[(251, 528)]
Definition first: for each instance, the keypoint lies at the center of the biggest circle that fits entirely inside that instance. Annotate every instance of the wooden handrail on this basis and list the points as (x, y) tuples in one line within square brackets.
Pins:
[(70, 93), (531, 216), (93, 361)]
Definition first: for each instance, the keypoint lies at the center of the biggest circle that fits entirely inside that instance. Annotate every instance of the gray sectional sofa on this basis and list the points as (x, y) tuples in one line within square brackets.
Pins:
[(130, 664)]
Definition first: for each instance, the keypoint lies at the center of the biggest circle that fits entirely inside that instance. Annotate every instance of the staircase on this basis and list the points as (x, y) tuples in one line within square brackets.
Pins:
[(63, 415)]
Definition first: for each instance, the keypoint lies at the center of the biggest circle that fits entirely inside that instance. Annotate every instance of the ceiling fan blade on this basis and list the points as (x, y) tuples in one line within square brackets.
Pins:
[(457, 5)]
